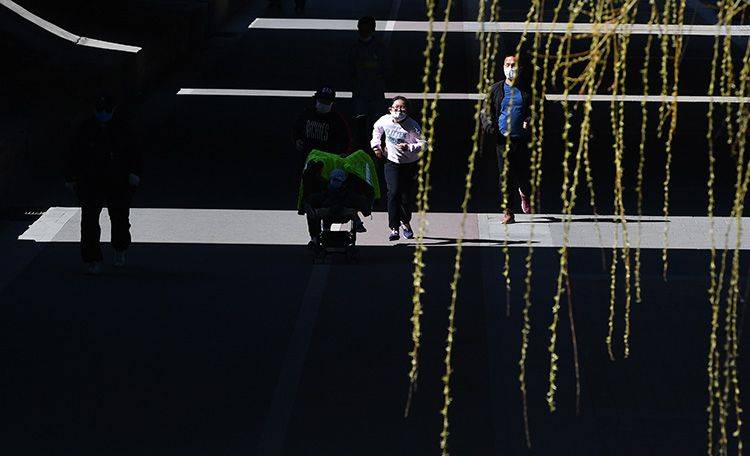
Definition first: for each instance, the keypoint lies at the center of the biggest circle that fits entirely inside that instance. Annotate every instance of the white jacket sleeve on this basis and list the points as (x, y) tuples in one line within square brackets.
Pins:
[(377, 135)]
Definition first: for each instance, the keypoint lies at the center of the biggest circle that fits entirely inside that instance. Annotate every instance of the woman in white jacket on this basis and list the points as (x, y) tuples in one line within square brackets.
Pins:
[(403, 143)]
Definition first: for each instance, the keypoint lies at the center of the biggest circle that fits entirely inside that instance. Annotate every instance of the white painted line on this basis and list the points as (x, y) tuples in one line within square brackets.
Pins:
[(64, 34), (256, 93), (456, 96), (652, 98), (91, 42), (310, 93), (505, 27), (46, 227)]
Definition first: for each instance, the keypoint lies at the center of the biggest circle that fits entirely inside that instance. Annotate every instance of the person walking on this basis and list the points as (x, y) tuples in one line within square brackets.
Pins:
[(404, 141), (506, 116), (369, 66), (322, 127), (103, 168)]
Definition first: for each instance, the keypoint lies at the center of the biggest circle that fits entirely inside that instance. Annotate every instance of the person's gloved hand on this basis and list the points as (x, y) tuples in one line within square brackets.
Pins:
[(72, 186), (134, 180)]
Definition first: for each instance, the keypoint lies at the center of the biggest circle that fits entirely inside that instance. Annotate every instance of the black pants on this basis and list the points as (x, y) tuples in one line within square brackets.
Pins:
[(519, 162), (93, 199), (401, 180)]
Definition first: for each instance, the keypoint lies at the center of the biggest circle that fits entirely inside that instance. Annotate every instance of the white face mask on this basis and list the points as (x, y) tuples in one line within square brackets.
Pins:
[(398, 116), (323, 108), (510, 72)]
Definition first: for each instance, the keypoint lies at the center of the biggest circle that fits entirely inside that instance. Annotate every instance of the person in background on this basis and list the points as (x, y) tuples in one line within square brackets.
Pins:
[(103, 168), (506, 117), (403, 143), (368, 68)]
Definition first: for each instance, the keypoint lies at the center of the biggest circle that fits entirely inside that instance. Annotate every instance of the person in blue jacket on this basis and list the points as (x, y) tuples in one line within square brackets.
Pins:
[(506, 116)]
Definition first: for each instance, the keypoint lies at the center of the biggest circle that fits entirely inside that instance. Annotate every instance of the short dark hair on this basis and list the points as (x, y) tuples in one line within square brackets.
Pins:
[(366, 21), (399, 97)]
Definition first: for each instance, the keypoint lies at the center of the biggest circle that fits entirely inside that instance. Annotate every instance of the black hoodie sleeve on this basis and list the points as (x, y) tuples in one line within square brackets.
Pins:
[(489, 111)]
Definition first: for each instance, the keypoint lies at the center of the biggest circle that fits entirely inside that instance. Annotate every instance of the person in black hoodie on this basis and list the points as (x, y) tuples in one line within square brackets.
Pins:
[(321, 127), (103, 167), (506, 116)]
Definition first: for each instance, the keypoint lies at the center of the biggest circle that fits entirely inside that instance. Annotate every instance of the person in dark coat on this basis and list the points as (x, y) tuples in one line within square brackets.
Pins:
[(321, 127), (103, 167), (506, 117)]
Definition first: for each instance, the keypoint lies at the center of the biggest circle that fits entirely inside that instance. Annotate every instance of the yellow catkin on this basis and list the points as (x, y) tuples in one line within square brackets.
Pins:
[(504, 175), (559, 61), (731, 390), (563, 250), (732, 346), (457, 274), (423, 178), (536, 130), (568, 189), (713, 354), (678, 12), (662, 119), (623, 220), (617, 117), (641, 150), (422, 206)]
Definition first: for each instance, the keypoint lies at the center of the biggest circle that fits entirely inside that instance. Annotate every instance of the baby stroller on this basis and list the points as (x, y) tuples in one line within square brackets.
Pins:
[(333, 191)]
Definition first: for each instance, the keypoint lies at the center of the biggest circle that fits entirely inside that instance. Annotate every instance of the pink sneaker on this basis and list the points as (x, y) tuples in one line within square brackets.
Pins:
[(525, 204)]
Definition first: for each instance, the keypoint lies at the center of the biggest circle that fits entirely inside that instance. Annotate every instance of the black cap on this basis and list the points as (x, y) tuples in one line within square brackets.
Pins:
[(325, 93)]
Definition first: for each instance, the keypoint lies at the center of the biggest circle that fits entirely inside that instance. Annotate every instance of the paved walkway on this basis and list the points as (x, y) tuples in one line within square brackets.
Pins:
[(276, 227)]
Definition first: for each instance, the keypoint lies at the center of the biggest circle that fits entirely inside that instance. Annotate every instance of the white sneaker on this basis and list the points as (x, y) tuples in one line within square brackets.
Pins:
[(119, 259), (93, 268)]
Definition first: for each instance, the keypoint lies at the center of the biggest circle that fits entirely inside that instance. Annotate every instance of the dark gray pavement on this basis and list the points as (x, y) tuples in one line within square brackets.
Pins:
[(250, 349)]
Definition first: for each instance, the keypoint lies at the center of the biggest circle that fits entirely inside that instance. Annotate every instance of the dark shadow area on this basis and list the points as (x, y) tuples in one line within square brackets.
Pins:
[(452, 241)]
